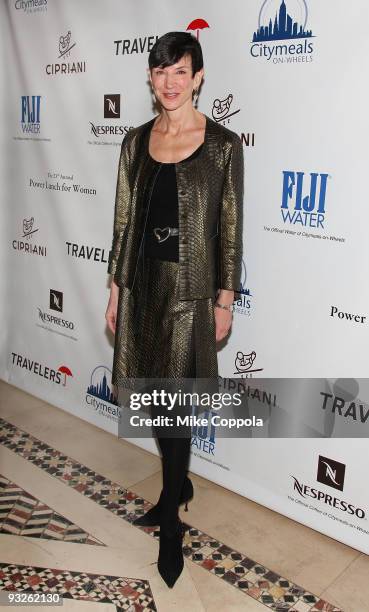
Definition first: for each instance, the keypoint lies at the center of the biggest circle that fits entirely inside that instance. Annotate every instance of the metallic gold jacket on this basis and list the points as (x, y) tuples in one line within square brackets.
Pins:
[(210, 203)]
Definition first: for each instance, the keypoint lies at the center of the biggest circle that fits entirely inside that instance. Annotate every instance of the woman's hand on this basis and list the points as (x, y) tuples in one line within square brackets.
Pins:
[(223, 317), (111, 311), (223, 322)]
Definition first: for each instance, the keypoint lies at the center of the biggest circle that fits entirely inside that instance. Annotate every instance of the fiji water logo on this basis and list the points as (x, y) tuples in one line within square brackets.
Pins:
[(242, 302), (244, 364), (203, 436), (307, 210), (101, 396), (283, 21), (30, 114)]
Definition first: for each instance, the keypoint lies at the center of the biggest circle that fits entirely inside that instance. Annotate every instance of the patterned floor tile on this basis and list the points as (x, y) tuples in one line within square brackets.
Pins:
[(22, 514), (128, 594), (264, 585)]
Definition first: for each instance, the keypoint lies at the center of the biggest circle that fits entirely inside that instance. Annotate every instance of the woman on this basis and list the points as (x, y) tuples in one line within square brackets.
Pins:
[(176, 258)]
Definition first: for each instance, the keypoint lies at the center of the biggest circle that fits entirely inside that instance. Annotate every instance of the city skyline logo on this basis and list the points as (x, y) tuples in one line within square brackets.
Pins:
[(242, 301), (278, 21), (101, 396), (305, 210), (331, 472), (65, 46), (30, 114), (244, 364), (56, 300), (112, 106)]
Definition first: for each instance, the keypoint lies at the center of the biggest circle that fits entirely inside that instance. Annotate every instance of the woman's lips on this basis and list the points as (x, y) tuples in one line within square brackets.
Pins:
[(170, 95)]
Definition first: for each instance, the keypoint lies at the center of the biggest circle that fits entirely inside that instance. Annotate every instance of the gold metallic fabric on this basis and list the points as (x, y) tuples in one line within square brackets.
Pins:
[(159, 336), (210, 201)]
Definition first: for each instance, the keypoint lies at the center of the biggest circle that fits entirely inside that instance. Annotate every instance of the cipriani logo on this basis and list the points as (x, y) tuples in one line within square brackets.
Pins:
[(222, 111), (27, 246), (283, 20), (244, 364), (331, 472), (28, 229), (65, 46), (299, 209), (112, 106)]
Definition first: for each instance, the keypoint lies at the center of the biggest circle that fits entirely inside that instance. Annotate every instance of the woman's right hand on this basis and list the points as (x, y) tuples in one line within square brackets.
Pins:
[(111, 311)]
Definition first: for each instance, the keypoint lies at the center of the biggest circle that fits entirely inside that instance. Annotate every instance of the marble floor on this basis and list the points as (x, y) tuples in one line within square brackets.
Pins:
[(70, 491)]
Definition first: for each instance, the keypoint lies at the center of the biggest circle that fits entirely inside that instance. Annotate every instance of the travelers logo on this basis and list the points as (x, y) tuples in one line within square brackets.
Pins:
[(112, 106), (244, 364), (283, 20), (308, 210), (30, 114), (65, 46), (198, 24), (331, 473), (101, 396), (59, 376), (242, 301)]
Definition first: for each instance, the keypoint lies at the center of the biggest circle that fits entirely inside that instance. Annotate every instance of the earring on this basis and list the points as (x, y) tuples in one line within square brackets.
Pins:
[(154, 100), (195, 97)]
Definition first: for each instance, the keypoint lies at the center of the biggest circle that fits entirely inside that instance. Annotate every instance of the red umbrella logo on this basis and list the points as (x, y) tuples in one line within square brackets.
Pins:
[(198, 24), (66, 371)]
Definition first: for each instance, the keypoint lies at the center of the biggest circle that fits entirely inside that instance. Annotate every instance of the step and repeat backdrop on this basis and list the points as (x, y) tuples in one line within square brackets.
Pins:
[(289, 77)]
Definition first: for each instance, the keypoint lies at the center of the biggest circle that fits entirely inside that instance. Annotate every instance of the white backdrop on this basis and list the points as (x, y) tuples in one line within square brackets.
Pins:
[(300, 107)]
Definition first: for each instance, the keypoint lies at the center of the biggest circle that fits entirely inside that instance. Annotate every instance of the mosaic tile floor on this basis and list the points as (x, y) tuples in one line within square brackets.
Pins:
[(22, 514), (243, 573), (128, 594)]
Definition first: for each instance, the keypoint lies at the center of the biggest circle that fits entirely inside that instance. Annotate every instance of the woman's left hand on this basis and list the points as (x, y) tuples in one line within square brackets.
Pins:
[(223, 322)]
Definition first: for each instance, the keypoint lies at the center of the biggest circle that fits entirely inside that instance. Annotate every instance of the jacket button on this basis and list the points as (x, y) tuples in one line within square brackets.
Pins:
[(181, 192)]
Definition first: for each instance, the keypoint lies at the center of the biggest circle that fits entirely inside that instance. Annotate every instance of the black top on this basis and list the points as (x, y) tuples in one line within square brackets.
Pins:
[(163, 212)]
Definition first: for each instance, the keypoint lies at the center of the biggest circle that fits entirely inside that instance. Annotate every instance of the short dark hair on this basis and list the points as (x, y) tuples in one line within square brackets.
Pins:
[(170, 47)]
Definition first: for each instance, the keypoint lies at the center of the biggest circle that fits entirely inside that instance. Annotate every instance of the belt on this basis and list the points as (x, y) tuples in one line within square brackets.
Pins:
[(163, 233)]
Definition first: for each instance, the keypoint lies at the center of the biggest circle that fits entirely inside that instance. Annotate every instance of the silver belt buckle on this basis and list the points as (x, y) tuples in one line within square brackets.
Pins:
[(163, 233)]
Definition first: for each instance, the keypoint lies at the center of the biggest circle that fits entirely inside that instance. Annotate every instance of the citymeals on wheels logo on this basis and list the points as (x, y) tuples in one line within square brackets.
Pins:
[(299, 209), (284, 20), (100, 395)]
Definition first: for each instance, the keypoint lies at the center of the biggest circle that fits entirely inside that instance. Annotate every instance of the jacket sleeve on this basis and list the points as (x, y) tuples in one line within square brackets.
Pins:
[(231, 219), (122, 205)]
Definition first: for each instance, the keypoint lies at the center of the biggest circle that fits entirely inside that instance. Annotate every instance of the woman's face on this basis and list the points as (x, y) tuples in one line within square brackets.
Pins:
[(173, 85)]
